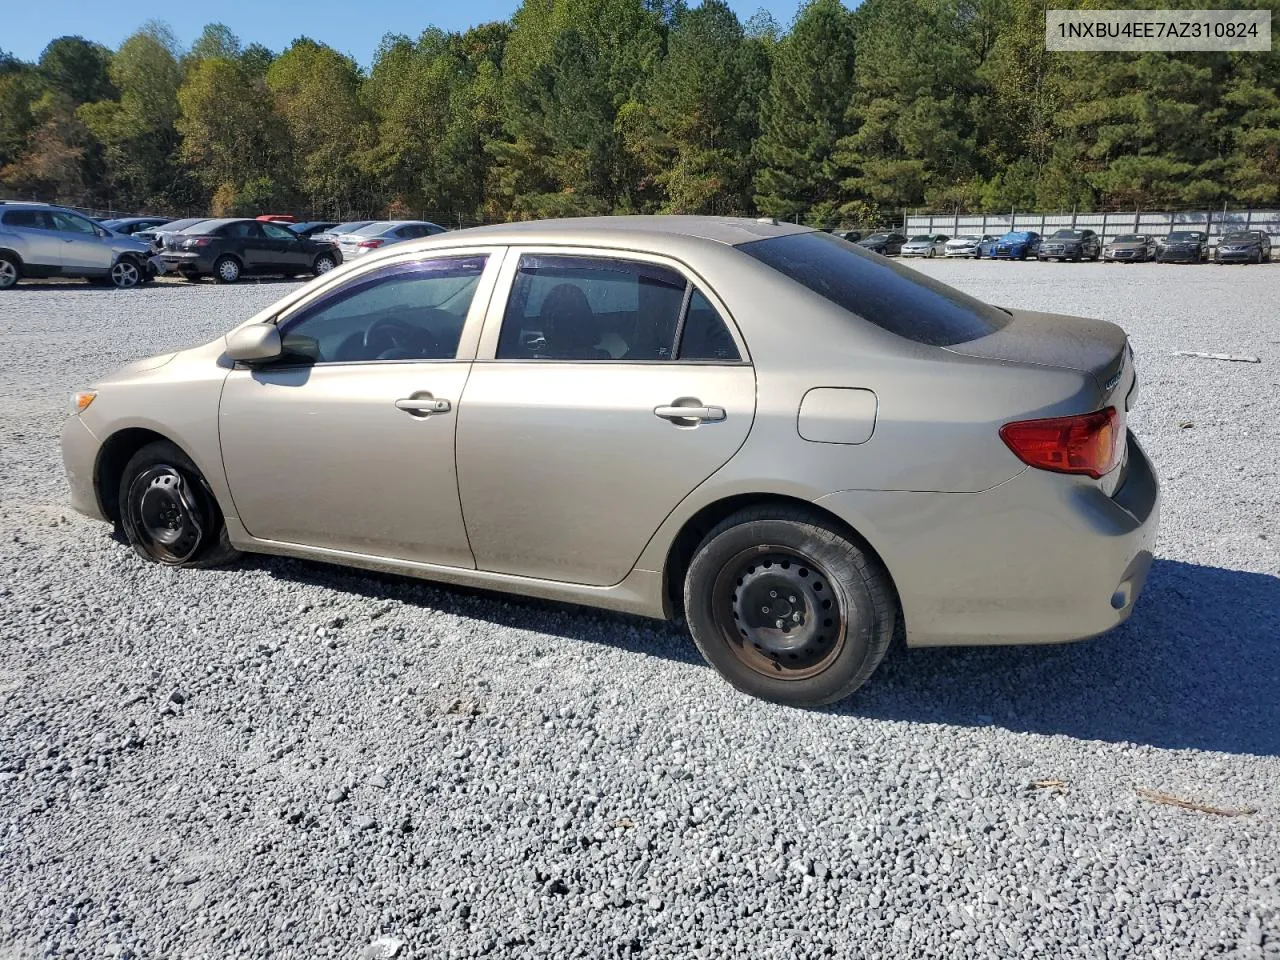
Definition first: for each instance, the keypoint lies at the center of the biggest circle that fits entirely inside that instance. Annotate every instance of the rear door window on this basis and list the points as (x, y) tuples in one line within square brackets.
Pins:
[(891, 296)]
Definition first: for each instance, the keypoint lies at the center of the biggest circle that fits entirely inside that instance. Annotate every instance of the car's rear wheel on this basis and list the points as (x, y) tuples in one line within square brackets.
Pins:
[(167, 512), (787, 608), (10, 271), (226, 270), (126, 274), (323, 264)]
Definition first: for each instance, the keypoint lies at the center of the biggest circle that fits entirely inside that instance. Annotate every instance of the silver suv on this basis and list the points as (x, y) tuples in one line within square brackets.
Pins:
[(40, 240)]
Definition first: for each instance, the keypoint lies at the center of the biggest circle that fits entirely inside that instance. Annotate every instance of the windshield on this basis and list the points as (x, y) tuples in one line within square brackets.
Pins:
[(966, 238), (176, 225), (878, 237), (1238, 238), (1130, 238), (1017, 235), (1068, 235), (1185, 235), (921, 239), (893, 297)]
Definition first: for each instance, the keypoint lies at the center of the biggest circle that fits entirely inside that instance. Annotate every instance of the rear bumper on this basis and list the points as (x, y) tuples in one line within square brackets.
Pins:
[(185, 263), (79, 461), (1041, 558)]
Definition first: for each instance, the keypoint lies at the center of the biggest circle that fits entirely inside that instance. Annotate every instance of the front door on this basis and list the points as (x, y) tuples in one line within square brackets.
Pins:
[(587, 427), (82, 249), (288, 253), (347, 442)]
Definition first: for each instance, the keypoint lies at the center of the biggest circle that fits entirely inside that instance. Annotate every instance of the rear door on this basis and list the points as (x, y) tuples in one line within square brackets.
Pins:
[(41, 242), (582, 425)]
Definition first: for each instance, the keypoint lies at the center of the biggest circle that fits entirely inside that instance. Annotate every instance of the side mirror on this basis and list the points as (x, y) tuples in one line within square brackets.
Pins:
[(256, 343)]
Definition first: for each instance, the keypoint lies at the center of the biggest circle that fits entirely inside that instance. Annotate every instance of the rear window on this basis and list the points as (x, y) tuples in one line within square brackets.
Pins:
[(889, 295)]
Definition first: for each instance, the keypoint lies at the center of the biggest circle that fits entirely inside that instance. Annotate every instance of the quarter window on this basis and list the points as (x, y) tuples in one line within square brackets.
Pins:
[(705, 335), (410, 311), (591, 308)]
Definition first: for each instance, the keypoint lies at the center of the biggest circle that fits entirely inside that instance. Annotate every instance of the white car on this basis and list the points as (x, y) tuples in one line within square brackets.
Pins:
[(925, 245), (968, 245)]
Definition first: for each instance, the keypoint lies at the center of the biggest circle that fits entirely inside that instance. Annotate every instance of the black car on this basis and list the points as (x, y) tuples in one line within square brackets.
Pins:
[(1070, 245), (310, 228), (132, 225), (155, 235), (889, 244), (853, 236), (1183, 246), (228, 249), (1244, 246)]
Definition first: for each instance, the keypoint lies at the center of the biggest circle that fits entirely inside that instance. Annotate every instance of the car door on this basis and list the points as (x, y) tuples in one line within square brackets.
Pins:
[(346, 443), (41, 241), (582, 425), (83, 250), (288, 252)]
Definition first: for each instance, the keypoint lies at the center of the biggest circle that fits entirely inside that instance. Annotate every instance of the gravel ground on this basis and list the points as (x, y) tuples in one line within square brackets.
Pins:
[(291, 760)]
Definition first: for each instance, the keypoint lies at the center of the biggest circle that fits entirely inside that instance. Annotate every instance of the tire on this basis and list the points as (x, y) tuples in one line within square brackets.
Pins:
[(931, 254), (323, 263), (227, 270), (1258, 259), (126, 274), (168, 513), (10, 271), (835, 635)]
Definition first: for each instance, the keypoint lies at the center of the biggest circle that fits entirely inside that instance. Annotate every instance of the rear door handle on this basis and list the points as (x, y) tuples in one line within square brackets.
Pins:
[(423, 406), (697, 414)]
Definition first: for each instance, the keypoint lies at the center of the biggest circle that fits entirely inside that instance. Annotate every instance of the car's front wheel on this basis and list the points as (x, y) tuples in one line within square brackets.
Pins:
[(788, 608), (323, 264), (126, 274), (167, 512)]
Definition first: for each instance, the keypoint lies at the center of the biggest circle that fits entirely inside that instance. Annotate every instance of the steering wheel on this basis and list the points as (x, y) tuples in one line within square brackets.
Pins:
[(392, 339)]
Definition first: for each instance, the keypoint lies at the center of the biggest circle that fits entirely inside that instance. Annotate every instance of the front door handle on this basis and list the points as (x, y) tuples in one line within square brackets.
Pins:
[(423, 406), (691, 413)]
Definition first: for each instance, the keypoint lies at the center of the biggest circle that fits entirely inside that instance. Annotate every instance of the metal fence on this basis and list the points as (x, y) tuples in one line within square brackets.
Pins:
[(1107, 225)]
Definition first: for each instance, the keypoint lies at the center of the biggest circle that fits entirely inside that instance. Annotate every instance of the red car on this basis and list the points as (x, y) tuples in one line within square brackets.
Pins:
[(278, 218)]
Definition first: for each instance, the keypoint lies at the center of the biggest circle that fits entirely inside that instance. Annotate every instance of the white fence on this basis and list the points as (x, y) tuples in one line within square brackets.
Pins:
[(1108, 225)]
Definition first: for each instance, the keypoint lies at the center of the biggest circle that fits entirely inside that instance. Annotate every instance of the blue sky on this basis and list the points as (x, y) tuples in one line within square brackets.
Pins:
[(352, 26)]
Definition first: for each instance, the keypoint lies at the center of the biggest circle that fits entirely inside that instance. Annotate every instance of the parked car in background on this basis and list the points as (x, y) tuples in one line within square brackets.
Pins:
[(40, 240), (1016, 245), (888, 244), (970, 245), (383, 233), (228, 249), (128, 226), (277, 218), (1070, 245), (1244, 246), (925, 245), (853, 236), (1184, 246), (1130, 248), (641, 433), (155, 235), (310, 228), (335, 234)]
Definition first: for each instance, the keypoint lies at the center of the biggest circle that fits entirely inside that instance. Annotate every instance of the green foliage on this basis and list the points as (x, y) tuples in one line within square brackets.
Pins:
[(620, 106)]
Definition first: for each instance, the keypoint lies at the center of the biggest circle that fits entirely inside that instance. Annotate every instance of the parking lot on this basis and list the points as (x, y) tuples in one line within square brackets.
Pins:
[(288, 759)]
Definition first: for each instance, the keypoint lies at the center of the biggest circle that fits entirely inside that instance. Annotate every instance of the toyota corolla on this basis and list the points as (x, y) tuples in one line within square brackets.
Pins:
[(797, 445)]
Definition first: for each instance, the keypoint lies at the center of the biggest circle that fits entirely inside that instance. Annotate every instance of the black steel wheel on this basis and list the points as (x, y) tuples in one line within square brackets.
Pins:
[(167, 512), (787, 607)]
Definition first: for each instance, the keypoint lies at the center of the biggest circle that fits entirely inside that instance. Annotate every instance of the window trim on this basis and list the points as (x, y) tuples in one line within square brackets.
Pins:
[(299, 310), (505, 282)]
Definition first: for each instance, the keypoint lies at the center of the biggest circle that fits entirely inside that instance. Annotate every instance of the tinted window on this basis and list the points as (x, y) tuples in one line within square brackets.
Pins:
[(586, 308), (239, 231), (276, 232), (70, 223), (1130, 238), (705, 336), (1238, 238), (412, 311), (891, 296), (38, 219), (1069, 235), (1186, 235)]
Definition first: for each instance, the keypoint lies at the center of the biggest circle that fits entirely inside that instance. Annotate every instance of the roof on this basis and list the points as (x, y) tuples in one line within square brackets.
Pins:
[(727, 230)]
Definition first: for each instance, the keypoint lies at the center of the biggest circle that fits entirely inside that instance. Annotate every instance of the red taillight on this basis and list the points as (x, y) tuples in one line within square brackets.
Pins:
[(369, 244), (1088, 443)]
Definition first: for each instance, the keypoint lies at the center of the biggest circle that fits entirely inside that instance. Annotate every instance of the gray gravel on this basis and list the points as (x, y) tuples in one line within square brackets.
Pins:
[(291, 760)]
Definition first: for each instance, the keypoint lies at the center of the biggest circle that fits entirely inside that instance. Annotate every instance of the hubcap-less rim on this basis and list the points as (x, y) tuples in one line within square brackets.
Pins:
[(228, 270), (8, 274), (165, 514), (779, 613), (124, 274)]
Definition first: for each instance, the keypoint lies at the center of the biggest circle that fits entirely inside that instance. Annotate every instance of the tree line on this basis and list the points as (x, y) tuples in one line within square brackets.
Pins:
[(647, 106)]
